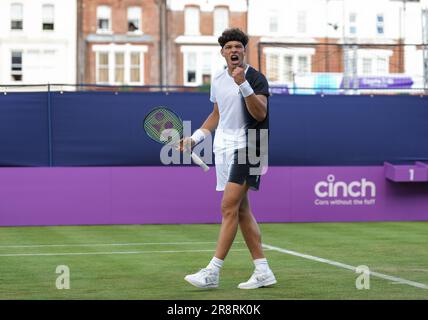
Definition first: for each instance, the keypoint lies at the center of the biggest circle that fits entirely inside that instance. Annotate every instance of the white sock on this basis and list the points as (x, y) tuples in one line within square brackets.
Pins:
[(215, 264), (261, 264)]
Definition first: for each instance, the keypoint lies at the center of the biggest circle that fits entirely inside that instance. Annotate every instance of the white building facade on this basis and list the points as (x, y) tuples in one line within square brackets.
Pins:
[(381, 25), (38, 41), (194, 28)]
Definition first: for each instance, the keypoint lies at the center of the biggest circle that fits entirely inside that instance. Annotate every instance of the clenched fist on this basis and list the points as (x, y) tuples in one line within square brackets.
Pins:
[(238, 74)]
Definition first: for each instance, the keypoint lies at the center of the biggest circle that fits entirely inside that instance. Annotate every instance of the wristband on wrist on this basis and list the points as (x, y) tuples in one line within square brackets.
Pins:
[(246, 89), (198, 136)]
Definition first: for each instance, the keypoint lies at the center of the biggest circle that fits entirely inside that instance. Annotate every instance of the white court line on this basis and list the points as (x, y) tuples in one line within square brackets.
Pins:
[(106, 244), (347, 266), (105, 253)]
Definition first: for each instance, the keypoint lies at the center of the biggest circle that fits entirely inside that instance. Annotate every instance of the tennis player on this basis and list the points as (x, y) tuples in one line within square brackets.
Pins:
[(240, 96)]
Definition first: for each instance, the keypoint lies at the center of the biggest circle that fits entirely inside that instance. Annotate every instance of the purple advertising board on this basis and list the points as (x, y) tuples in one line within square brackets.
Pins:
[(175, 195), (380, 83)]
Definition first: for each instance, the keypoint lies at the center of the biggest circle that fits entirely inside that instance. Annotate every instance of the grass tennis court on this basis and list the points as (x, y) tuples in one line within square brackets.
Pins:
[(150, 261)]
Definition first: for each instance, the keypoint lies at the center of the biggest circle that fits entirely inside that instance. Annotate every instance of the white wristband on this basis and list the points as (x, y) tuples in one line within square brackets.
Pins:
[(246, 89), (198, 136)]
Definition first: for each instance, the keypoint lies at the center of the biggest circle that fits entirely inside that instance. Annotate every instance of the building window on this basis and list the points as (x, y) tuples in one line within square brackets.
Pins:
[(221, 20), (206, 68), (272, 67), (303, 65), (301, 22), (134, 19), (288, 73), (16, 65), (135, 67), (367, 66), (119, 60), (200, 64), (119, 64), (48, 14), (283, 68), (284, 65), (380, 23), (103, 19), (373, 62), (273, 22), (16, 14), (102, 67), (353, 23), (382, 65), (375, 66), (190, 67), (191, 21)]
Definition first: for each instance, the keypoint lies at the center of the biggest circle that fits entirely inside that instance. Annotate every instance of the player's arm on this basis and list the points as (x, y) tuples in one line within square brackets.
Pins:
[(209, 125), (257, 106), (211, 122)]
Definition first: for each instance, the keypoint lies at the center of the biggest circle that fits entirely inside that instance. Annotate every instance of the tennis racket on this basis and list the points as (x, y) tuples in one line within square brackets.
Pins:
[(164, 126)]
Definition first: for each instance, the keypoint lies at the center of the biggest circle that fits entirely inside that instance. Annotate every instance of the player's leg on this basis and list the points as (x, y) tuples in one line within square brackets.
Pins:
[(250, 229), (232, 197), (263, 275)]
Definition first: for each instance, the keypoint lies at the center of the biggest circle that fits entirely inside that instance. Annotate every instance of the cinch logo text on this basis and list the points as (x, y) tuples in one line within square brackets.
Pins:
[(354, 189)]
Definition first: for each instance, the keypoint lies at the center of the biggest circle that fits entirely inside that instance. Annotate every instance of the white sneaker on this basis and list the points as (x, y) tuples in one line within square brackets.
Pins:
[(204, 278), (259, 279)]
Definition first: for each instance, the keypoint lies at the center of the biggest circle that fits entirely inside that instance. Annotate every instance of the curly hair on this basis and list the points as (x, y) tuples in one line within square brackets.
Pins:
[(233, 34)]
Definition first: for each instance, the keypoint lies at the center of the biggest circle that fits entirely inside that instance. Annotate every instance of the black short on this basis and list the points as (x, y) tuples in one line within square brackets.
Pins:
[(241, 173)]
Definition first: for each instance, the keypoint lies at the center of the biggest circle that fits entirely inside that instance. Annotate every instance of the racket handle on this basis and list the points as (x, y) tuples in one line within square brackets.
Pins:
[(199, 162)]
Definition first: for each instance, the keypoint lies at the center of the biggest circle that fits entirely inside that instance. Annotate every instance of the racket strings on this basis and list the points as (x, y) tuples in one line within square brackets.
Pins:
[(163, 126)]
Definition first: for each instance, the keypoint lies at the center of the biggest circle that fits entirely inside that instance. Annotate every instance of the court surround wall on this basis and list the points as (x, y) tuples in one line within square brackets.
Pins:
[(83, 158)]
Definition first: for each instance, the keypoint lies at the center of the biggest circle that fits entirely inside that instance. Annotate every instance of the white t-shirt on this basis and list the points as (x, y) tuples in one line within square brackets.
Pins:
[(230, 134)]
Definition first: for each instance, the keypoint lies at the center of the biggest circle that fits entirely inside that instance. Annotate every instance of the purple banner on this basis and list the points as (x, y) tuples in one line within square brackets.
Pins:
[(169, 195), (279, 89), (380, 83)]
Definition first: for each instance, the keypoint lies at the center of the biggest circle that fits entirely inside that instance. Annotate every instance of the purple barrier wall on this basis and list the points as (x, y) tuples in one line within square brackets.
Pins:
[(152, 195)]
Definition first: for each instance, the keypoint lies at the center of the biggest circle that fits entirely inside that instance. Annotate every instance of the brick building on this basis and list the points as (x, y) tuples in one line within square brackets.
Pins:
[(298, 43), (193, 29), (118, 42), (305, 43)]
